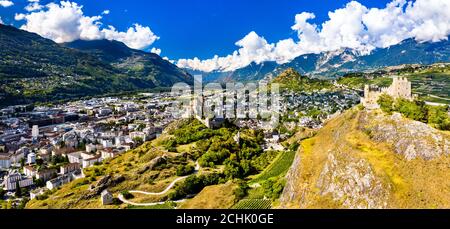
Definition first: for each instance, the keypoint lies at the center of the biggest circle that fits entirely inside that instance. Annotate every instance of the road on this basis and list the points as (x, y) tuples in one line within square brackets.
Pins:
[(121, 198)]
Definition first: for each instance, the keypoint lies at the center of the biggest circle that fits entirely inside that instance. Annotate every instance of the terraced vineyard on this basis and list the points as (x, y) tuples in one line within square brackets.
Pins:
[(253, 204), (279, 167)]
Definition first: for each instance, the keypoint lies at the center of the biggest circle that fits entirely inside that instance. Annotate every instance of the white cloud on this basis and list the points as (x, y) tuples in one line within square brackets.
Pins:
[(1, 22), (253, 49), (6, 3), (106, 12), (33, 6), (156, 51), (137, 37), (353, 26), (65, 22)]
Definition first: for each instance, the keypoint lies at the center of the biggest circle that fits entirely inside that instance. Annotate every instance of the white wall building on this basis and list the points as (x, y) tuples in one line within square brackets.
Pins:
[(5, 161), (31, 158)]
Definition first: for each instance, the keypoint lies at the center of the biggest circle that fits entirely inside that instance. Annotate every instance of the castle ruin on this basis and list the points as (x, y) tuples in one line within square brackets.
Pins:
[(400, 88)]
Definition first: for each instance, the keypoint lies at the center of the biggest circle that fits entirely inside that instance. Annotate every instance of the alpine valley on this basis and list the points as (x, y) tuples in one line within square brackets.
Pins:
[(35, 69)]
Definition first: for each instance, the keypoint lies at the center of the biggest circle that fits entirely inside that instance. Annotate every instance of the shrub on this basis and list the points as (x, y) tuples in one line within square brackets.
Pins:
[(127, 195), (386, 103), (183, 170)]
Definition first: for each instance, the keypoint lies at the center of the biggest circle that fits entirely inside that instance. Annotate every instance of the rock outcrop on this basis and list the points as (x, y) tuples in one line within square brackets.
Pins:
[(410, 138), (370, 160), (352, 182)]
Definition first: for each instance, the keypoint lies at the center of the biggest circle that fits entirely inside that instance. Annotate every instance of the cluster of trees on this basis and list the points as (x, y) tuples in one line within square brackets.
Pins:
[(436, 116), (127, 195), (183, 170), (273, 187), (194, 184), (2, 193), (242, 189)]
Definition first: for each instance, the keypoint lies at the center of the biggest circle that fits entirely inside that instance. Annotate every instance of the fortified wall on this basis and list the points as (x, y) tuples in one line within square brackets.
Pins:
[(400, 88)]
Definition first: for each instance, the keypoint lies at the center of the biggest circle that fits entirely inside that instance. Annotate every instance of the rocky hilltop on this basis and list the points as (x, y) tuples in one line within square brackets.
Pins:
[(368, 159)]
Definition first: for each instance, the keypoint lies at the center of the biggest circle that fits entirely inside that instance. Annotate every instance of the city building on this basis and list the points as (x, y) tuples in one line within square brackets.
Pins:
[(31, 158), (58, 182), (11, 181), (35, 132), (46, 174), (69, 168), (29, 171), (5, 161)]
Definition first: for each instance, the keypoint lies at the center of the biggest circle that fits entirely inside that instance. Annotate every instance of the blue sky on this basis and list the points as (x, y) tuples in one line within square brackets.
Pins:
[(226, 35), (203, 28)]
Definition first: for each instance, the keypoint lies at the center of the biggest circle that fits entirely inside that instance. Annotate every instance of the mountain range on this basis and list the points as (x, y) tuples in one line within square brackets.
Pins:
[(340, 62), (35, 69)]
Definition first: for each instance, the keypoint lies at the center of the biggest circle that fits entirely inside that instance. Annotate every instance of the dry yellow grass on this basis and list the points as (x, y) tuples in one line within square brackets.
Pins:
[(410, 184), (213, 197)]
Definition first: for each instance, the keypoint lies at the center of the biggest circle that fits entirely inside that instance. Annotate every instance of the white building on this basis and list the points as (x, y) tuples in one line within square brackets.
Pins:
[(58, 182), (104, 112), (84, 159), (138, 134), (29, 171), (37, 192), (35, 132), (72, 167), (107, 143), (91, 148), (12, 179), (5, 161), (31, 158)]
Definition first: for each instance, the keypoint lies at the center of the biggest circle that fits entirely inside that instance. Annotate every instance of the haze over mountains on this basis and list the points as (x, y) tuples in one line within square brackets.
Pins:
[(339, 62)]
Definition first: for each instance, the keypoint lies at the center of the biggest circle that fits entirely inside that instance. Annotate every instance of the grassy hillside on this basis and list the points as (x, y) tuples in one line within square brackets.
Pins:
[(350, 165), (213, 197), (291, 80), (156, 164)]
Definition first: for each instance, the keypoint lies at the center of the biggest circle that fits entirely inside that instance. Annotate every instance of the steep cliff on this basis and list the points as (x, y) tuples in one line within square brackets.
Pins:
[(371, 160)]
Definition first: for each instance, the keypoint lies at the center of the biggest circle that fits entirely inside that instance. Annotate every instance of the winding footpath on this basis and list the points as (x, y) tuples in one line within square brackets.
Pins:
[(122, 198)]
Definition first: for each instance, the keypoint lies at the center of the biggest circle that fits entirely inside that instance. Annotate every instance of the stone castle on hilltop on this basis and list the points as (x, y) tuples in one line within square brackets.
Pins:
[(400, 88)]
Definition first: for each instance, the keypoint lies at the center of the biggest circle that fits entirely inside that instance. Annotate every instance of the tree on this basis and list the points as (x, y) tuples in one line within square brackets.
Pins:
[(183, 170), (22, 162), (386, 103), (127, 195), (273, 187), (39, 183), (18, 190), (2, 193), (241, 190), (39, 162), (138, 140)]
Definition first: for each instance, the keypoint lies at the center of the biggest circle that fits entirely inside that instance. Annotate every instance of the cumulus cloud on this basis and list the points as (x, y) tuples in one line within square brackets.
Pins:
[(106, 12), (33, 6), (156, 51), (354, 26), (137, 37), (253, 48), (6, 3), (1, 22), (66, 22)]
